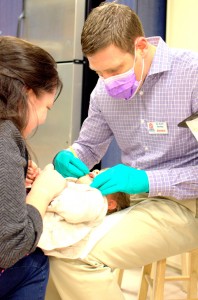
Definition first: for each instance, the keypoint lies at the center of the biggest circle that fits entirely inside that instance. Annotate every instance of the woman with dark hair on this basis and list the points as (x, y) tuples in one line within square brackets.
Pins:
[(29, 83)]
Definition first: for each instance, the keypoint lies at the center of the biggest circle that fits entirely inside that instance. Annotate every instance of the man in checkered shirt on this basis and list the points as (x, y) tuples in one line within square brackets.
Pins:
[(144, 90)]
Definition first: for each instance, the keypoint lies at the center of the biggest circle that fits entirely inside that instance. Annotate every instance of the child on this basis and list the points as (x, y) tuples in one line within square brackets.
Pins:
[(72, 215)]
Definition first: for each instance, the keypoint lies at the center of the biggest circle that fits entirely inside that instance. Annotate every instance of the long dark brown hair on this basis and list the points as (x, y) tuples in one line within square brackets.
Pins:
[(23, 66)]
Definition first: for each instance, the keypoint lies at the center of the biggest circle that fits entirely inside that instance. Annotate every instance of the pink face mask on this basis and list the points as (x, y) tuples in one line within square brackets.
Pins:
[(123, 86)]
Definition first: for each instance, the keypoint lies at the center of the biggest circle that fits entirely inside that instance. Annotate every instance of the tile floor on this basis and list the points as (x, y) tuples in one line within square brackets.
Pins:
[(131, 283)]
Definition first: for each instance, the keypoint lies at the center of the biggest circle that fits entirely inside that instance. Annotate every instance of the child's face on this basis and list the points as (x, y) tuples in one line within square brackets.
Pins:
[(89, 177)]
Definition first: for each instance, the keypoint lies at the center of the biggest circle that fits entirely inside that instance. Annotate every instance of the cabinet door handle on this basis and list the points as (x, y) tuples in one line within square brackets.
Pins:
[(20, 21)]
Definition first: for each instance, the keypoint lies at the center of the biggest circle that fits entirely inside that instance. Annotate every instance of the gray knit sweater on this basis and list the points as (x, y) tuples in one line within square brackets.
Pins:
[(20, 224)]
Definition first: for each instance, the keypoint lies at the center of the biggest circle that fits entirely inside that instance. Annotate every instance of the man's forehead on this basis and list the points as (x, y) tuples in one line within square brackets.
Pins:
[(106, 65), (106, 58)]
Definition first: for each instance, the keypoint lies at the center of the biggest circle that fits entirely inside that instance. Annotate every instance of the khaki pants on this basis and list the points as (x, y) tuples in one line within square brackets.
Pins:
[(152, 230)]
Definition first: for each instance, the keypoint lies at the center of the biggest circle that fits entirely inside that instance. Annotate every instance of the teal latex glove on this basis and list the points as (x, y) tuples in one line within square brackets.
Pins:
[(68, 165), (121, 178)]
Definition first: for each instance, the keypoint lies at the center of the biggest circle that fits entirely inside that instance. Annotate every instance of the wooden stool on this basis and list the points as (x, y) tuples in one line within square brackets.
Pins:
[(153, 277)]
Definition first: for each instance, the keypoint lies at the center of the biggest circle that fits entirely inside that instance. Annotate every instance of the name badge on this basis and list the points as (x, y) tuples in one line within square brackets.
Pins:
[(157, 128)]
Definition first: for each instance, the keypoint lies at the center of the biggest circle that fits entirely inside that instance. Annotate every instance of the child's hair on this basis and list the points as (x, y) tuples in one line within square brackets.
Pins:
[(122, 200)]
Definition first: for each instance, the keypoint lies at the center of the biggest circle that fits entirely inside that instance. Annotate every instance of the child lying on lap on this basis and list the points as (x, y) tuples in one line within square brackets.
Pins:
[(72, 215)]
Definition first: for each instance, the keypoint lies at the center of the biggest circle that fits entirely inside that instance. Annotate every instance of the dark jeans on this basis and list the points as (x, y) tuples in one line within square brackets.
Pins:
[(27, 279)]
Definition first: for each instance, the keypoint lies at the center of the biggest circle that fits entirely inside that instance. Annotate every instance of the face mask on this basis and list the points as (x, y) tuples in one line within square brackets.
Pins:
[(123, 86)]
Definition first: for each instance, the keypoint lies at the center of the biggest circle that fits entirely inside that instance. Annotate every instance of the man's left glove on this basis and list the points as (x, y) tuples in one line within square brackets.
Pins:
[(121, 178)]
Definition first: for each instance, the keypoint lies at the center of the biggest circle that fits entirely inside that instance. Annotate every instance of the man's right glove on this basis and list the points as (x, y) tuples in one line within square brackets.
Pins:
[(68, 165)]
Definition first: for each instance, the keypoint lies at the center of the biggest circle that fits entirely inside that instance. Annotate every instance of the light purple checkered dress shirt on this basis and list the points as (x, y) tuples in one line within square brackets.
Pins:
[(169, 94)]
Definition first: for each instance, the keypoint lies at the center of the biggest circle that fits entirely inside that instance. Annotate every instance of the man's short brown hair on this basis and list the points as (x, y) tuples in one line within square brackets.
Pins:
[(110, 23)]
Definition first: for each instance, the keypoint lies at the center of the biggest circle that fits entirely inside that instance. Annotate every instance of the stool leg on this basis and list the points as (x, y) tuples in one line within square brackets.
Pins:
[(146, 273), (185, 268), (158, 280), (120, 277), (192, 286)]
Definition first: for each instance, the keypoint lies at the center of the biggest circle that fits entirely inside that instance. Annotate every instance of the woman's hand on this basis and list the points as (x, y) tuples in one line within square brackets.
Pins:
[(50, 181), (46, 186)]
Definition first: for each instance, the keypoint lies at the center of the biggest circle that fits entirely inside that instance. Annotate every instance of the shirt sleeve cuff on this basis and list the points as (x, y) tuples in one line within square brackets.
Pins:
[(159, 183)]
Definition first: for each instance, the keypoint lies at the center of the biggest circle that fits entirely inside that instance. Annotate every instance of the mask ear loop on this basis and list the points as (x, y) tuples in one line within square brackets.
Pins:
[(142, 62), (140, 81), (135, 60), (142, 69), (134, 57)]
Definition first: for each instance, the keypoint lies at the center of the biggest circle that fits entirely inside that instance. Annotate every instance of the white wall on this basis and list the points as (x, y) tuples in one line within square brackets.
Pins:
[(182, 24)]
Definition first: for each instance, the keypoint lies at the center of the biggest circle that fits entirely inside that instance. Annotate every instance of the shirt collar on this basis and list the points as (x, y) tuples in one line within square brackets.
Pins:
[(162, 58)]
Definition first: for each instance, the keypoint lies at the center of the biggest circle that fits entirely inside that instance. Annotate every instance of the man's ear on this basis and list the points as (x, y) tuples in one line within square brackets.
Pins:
[(141, 45)]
